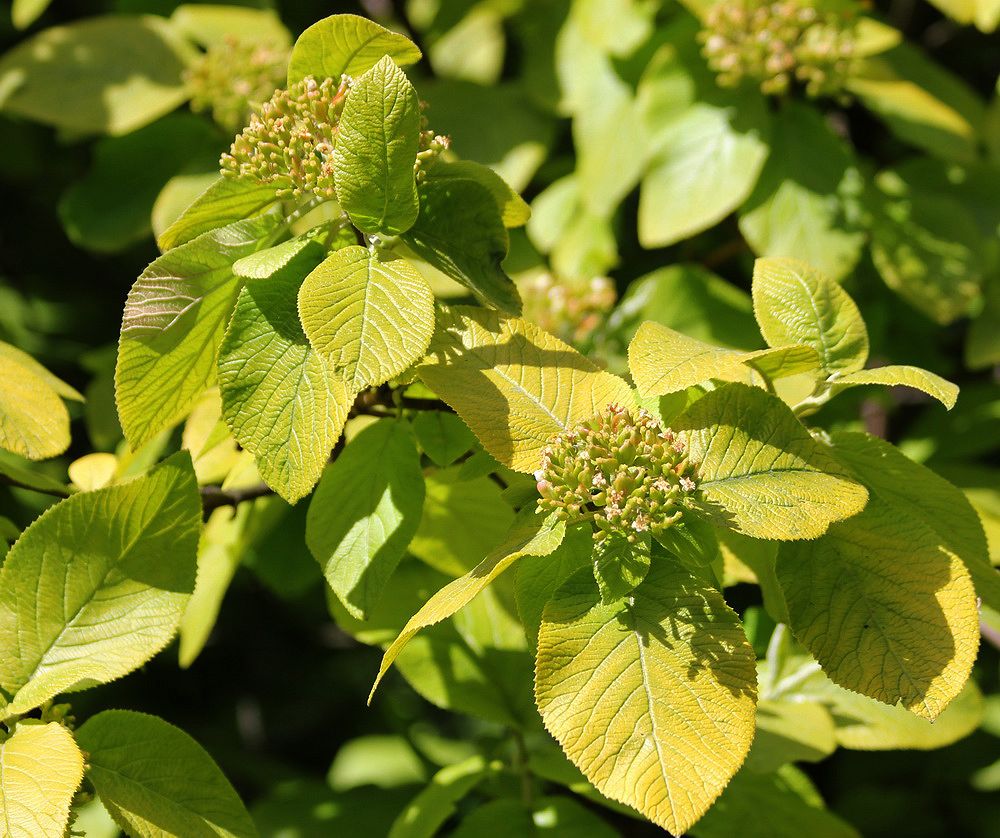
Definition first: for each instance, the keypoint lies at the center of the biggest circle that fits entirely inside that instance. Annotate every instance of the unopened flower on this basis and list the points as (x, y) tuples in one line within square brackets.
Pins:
[(779, 43), (569, 309), (232, 77), (290, 142), (623, 473)]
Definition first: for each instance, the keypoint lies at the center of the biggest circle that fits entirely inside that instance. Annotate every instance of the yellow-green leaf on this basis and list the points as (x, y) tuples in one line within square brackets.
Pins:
[(33, 420), (914, 491), (280, 398), (40, 769), (796, 304), (903, 376), (664, 361), (652, 697), (174, 320), (513, 384), (348, 44), (531, 535), (513, 209), (370, 319), (886, 612), (760, 471)]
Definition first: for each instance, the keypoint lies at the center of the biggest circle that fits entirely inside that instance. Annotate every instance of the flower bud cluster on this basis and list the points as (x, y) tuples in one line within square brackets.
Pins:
[(432, 146), (777, 43), (569, 309), (625, 474), (290, 142), (232, 77)]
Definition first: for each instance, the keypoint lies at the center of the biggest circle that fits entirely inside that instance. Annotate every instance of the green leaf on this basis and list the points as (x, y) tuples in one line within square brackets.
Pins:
[(770, 806), (663, 361), (804, 202), (226, 201), (110, 207), (34, 422), (365, 511), (538, 577), (376, 760), (530, 536), (460, 231), (31, 479), (103, 75), (154, 779), (759, 470), (174, 320), (985, 14), (514, 385), (444, 539), (40, 770), (894, 375), (280, 398), (620, 565), (346, 44), (220, 550), (513, 210), (377, 142), (23, 13), (796, 304), (442, 436), (690, 300), (435, 804), (790, 731), (304, 252), (211, 25), (927, 245), (885, 611), (920, 101), (369, 319), (652, 697), (915, 492), (96, 586), (549, 817)]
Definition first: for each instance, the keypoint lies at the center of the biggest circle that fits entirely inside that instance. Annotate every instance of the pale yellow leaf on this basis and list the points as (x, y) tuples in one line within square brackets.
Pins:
[(903, 376), (515, 385), (652, 696)]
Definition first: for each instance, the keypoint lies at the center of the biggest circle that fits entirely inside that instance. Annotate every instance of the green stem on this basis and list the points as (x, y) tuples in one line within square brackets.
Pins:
[(521, 766)]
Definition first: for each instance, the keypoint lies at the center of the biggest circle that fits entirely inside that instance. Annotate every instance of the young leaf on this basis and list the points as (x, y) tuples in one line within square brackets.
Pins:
[(903, 376), (760, 472), (513, 384), (154, 779), (114, 74), (664, 361), (96, 586), (915, 492), (304, 252), (33, 420), (886, 612), (530, 536), (460, 232), (796, 304), (346, 44), (174, 320), (226, 201), (280, 398), (365, 511), (620, 565), (377, 142), (801, 205), (40, 770), (652, 697), (370, 319)]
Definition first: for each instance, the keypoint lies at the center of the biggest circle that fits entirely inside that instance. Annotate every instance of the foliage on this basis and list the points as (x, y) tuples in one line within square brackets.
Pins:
[(645, 566)]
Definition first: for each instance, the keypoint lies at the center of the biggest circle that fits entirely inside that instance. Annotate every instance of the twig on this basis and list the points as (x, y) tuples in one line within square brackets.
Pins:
[(212, 497)]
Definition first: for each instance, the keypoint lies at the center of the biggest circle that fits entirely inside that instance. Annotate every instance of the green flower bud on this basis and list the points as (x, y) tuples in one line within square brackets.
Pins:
[(622, 473), (290, 141), (774, 43), (570, 309), (232, 77)]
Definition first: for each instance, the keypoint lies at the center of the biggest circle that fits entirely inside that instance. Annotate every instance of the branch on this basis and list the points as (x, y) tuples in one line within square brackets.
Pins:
[(212, 497)]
